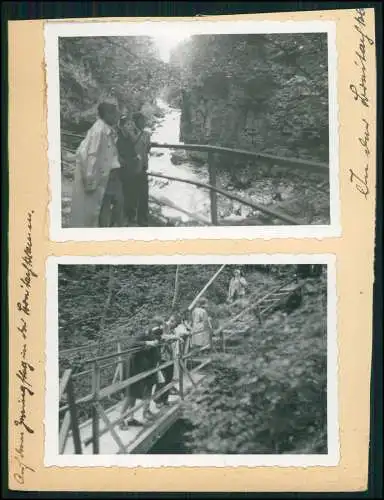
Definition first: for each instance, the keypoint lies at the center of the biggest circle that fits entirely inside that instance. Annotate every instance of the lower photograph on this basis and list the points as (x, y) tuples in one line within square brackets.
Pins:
[(211, 361)]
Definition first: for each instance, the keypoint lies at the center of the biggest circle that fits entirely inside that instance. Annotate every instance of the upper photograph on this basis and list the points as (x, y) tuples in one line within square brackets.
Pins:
[(188, 132)]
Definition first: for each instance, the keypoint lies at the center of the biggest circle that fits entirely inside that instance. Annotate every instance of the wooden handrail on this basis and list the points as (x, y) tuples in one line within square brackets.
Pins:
[(254, 305), (293, 163), (108, 391), (245, 201)]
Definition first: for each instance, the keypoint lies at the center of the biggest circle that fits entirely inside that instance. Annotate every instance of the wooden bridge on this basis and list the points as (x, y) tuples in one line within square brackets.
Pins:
[(317, 177), (101, 377)]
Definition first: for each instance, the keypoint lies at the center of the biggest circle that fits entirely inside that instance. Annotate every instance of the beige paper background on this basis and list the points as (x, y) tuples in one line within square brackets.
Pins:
[(29, 190)]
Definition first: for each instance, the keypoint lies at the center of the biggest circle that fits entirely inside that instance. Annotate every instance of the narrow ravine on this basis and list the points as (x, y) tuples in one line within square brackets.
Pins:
[(256, 184), (186, 196), (194, 202)]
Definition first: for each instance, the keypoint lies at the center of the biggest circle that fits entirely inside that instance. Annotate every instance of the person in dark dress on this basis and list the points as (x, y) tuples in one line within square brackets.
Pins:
[(144, 357)]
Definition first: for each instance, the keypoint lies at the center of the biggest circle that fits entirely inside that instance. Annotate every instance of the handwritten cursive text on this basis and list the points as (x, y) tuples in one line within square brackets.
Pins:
[(25, 368)]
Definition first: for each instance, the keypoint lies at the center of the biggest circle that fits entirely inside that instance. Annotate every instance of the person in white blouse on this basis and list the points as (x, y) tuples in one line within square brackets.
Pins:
[(97, 198)]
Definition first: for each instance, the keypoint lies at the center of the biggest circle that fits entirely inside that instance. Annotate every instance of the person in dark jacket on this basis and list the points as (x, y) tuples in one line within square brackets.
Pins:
[(144, 357), (129, 162), (142, 147), (133, 145)]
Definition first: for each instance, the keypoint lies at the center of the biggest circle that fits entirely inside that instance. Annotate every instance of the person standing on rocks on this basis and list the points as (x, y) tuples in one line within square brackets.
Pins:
[(237, 286), (97, 193)]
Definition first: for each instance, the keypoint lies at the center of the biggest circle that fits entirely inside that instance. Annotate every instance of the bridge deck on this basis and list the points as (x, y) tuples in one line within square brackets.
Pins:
[(136, 439)]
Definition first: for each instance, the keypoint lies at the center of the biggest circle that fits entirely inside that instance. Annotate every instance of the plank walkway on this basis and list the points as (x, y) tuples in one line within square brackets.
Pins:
[(136, 439)]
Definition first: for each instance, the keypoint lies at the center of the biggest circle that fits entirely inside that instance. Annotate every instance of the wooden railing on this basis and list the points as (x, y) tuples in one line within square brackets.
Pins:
[(213, 151), (291, 164), (99, 393)]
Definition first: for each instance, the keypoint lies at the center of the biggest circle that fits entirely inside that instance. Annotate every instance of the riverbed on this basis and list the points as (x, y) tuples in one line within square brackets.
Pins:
[(257, 184)]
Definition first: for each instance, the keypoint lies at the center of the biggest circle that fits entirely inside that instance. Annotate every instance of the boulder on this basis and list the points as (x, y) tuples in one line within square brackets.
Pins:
[(178, 157)]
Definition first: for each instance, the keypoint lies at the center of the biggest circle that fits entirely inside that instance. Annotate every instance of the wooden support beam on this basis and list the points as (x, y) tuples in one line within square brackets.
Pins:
[(74, 419), (95, 414), (64, 430), (110, 427), (204, 289)]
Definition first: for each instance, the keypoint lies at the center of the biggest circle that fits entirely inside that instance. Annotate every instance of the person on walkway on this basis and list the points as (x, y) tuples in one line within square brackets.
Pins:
[(181, 330), (201, 326), (97, 192), (168, 350), (144, 357), (237, 286)]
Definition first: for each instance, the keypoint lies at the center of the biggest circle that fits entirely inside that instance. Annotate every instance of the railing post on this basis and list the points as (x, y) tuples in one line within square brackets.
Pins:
[(180, 354), (95, 414), (118, 375), (74, 419), (212, 182)]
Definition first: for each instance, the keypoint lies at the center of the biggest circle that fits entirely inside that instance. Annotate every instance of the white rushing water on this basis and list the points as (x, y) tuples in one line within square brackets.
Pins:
[(187, 196)]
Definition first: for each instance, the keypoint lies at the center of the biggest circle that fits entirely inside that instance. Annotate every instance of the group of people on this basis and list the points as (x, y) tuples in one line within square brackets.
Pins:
[(111, 184), (165, 342)]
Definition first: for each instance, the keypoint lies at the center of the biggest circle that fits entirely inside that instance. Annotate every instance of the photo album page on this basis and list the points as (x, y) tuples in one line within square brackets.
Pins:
[(192, 220)]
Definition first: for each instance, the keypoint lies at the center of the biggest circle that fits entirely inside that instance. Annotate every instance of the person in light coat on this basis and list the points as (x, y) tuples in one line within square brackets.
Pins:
[(201, 326), (97, 186)]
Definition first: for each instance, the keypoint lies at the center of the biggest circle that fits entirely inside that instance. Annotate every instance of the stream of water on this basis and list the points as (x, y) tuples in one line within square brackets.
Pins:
[(186, 196)]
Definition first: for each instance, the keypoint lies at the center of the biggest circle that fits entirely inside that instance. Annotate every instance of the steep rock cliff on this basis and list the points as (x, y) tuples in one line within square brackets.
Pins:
[(266, 93)]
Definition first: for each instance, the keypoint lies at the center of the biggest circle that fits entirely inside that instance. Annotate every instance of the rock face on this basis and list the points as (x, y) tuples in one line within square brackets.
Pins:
[(256, 92)]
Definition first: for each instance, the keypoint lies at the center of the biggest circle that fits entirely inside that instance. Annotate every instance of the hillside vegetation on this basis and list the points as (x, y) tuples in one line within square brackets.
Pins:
[(268, 393), (112, 301), (126, 69)]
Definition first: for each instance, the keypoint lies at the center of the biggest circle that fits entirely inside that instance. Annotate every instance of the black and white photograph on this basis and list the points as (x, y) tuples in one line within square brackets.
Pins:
[(191, 131), (191, 362)]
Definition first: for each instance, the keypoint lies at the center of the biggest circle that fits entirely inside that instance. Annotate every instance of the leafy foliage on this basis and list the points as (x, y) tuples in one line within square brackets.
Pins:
[(268, 395), (126, 68), (146, 290)]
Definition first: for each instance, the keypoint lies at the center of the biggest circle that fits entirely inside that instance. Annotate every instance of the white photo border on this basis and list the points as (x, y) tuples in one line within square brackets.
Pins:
[(51, 424), (55, 29)]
